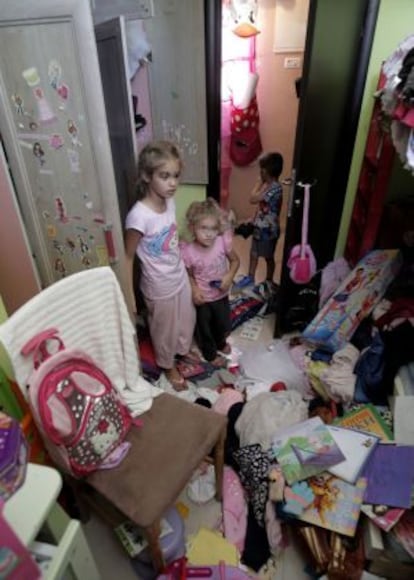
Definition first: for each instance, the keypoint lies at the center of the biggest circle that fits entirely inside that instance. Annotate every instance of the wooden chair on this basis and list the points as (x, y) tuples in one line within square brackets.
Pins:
[(176, 436), (89, 310)]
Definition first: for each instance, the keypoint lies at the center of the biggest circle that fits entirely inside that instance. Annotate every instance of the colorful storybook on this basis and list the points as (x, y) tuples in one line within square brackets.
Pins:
[(132, 539), (366, 418), (305, 449), (383, 516), (390, 474), (336, 505), (357, 447)]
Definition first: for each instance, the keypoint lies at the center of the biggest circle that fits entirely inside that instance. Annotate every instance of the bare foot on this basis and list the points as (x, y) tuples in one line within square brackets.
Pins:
[(226, 349), (219, 362), (192, 356), (177, 381)]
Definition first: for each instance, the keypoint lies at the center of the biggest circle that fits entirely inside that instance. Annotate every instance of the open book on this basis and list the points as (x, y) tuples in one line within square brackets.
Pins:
[(337, 504), (131, 537), (305, 449), (366, 418), (357, 448)]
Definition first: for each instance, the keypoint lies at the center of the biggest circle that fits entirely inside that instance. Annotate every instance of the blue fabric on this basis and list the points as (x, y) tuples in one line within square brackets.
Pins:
[(369, 370)]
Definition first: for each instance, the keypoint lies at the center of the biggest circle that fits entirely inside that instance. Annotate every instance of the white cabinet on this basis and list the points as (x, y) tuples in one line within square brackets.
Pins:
[(34, 506)]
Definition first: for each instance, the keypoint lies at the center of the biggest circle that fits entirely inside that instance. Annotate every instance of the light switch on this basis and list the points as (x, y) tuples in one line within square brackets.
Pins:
[(292, 62)]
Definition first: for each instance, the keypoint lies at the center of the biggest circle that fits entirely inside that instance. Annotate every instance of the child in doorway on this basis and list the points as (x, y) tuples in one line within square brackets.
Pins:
[(267, 195), (151, 234), (212, 264)]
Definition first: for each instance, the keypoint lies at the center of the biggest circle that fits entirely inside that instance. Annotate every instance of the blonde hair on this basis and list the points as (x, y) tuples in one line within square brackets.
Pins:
[(152, 156), (200, 210)]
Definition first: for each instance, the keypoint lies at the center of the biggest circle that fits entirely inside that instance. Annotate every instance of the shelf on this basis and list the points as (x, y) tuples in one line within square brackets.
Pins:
[(26, 514), (33, 508)]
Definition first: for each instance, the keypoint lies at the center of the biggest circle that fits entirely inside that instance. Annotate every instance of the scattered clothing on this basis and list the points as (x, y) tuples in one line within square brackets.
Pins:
[(202, 487), (243, 282), (253, 468), (234, 509), (226, 399), (267, 413), (245, 230)]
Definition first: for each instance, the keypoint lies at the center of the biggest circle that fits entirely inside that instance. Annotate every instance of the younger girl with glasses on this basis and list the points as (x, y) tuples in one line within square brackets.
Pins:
[(212, 264)]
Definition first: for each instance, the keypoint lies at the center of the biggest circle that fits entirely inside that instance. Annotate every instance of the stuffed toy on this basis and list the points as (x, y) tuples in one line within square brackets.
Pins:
[(244, 14)]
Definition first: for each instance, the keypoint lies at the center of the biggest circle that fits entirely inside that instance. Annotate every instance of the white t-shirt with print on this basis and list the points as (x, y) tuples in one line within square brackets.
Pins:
[(163, 272)]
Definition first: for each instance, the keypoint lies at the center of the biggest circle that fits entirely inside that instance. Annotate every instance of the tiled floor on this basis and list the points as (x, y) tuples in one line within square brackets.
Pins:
[(242, 247)]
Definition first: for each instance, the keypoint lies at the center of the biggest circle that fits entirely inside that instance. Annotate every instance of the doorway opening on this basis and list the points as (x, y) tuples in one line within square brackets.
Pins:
[(278, 74)]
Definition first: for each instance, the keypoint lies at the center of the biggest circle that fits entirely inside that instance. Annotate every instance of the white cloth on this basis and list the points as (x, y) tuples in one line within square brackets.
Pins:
[(89, 310), (339, 378), (266, 413)]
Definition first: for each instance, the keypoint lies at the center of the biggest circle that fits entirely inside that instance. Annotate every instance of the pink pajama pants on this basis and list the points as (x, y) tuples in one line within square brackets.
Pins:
[(171, 324)]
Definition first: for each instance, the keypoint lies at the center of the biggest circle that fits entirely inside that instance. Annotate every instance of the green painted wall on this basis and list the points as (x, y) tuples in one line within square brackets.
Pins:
[(3, 313), (185, 195), (4, 359), (395, 22)]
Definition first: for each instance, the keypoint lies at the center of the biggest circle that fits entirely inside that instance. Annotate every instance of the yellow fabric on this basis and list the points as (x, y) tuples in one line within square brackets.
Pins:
[(315, 370), (208, 548)]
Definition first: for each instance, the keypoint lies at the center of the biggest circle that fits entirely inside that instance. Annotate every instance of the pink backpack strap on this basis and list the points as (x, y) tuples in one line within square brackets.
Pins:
[(38, 345)]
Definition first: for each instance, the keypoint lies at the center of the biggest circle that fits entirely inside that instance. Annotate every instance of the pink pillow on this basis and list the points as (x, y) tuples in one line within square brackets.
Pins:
[(226, 399)]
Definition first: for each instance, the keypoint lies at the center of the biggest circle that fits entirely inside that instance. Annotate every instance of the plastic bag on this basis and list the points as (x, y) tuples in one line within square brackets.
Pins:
[(271, 363)]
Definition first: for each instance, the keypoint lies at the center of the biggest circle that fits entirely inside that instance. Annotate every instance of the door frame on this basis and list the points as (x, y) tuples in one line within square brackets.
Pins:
[(344, 146), (121, 125), (212, 20)]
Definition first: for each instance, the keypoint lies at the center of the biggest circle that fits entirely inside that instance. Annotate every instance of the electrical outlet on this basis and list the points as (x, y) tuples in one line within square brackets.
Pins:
[(292, 62)]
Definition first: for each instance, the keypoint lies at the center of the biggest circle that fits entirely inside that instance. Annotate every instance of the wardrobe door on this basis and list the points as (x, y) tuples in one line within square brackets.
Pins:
[(178, 81), (53, 124), (113, 62)]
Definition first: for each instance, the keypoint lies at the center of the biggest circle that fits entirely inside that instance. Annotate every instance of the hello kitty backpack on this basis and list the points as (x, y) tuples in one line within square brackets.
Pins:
[(74, 404)]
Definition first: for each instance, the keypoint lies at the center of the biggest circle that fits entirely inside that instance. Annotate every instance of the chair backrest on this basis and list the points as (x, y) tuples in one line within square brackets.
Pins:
[(90, 312)]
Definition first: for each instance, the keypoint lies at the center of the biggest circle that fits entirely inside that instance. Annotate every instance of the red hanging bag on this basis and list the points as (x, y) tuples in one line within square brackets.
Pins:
[(245, 142)]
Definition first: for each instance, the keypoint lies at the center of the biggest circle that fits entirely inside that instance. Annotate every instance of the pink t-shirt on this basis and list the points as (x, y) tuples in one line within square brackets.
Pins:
[(162, 269), (208, 264)]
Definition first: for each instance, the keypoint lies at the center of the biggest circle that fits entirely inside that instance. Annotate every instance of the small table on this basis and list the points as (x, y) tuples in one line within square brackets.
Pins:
[(33, 506)]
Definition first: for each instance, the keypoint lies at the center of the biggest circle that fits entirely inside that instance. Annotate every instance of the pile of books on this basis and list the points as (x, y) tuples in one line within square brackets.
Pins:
[(334, 472)]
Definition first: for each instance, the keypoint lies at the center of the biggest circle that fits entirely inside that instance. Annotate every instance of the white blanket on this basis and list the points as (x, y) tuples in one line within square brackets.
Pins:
[(89, 310)]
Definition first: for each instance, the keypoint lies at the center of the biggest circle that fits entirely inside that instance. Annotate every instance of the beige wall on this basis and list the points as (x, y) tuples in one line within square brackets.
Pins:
[(278, 108), (18, 278)]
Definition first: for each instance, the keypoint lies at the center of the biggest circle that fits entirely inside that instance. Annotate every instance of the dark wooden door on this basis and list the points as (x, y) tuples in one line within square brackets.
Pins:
[(338, 45)]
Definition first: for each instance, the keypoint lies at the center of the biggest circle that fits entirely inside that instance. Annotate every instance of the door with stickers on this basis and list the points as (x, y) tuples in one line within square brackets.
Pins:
[(54, 130)]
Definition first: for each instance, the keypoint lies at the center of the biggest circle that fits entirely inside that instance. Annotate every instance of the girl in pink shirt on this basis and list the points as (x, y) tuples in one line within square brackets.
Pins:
[(152, 237), (212, 264)]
